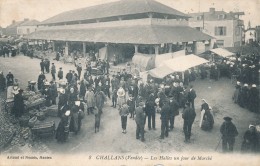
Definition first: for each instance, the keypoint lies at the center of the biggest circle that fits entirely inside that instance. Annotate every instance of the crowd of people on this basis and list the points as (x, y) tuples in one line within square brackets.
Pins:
[(7, 50), (84, 93)]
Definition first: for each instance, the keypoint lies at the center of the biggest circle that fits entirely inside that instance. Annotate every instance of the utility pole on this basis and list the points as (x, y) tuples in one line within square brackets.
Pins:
[(203, 21)]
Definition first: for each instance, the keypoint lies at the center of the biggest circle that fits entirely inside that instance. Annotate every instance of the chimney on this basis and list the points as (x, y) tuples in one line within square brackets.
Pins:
[(26, 19), (13, 21), (211, 10)]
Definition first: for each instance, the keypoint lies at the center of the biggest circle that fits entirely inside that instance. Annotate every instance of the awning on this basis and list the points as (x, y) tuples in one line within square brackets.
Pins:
[(162, 57), (222, 52), (143, 61), (183, 63), (160, 72), (139, 34), (178, 64)]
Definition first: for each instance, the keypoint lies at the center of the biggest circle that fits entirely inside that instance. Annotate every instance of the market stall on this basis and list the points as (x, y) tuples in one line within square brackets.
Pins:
[(179, 64), (221, 53)]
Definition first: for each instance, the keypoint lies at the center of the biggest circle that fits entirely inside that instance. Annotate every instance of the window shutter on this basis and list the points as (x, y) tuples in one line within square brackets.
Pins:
[(224, 31), (216, 31)]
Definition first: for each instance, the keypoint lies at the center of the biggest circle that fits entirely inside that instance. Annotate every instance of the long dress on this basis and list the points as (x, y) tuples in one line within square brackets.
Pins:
[(62, 132), (18, 108)]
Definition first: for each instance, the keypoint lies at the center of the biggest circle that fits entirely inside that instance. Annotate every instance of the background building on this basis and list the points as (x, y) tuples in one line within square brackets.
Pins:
[(27, 27), (121, 29), (18, 28), (225, 27)]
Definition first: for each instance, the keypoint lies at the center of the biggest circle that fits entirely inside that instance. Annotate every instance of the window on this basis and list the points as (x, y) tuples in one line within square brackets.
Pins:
[(221, 16), (20, 31), (199, 17), (198, 28), (220, 31), (220, 43), (237, 31)]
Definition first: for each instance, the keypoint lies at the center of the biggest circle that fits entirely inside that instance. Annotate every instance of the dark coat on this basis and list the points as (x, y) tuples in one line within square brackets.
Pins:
[(69, 76), (60, 74), (2, 82), (18, 105), (228, 130), (174, 107), (140, 116), (165, 112), (189, 115), (100, 98), (191, 95)]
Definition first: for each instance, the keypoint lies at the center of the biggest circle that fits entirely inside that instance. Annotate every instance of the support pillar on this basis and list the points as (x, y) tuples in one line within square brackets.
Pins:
[(195, 47), (106, 56), (84, 49), (67, 48), (136, 49), (182, 76), (156, 50), (53, 46), (170, 47), (184, 47), (42, 45)]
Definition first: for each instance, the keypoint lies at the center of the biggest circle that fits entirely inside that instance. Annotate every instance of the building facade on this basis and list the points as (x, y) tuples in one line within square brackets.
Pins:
[(27, 27), (20, 28), (124, 27), (226, 28)]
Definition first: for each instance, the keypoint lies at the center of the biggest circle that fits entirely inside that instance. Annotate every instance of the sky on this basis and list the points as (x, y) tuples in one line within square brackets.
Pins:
[(44, 9)]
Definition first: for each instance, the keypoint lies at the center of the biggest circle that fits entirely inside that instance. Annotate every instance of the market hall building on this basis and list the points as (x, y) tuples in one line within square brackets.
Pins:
[(121, 29)]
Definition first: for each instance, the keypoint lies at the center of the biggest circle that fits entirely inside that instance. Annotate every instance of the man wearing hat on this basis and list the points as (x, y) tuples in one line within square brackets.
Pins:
[(47, 65), (9, 79), (53, 92), (40, 81), (100, 99), (140, 121), (18, 107), (53, 71), (79, 69), (188, 116), (60, 74), (229, 132), (114, 83), (191, 96), (69, 76), (42, 66), (150, 111), (165, 114)]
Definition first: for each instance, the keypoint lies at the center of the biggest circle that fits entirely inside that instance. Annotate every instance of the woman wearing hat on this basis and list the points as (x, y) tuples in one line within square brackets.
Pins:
[(18, 107), (62, 132), (254, 99), (120, 96), (251, 142), (63, 99)]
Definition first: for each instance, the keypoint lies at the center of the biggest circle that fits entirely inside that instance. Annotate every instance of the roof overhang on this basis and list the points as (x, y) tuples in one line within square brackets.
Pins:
[(153, 34)]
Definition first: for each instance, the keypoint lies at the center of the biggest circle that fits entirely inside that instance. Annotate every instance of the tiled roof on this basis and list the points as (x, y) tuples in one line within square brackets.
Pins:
[(154, 34), (113, 9), (211, 16), (15, 24), (30, 23)]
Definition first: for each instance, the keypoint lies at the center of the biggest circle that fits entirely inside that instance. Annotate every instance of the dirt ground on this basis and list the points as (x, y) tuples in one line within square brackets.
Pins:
[(111, 140)]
